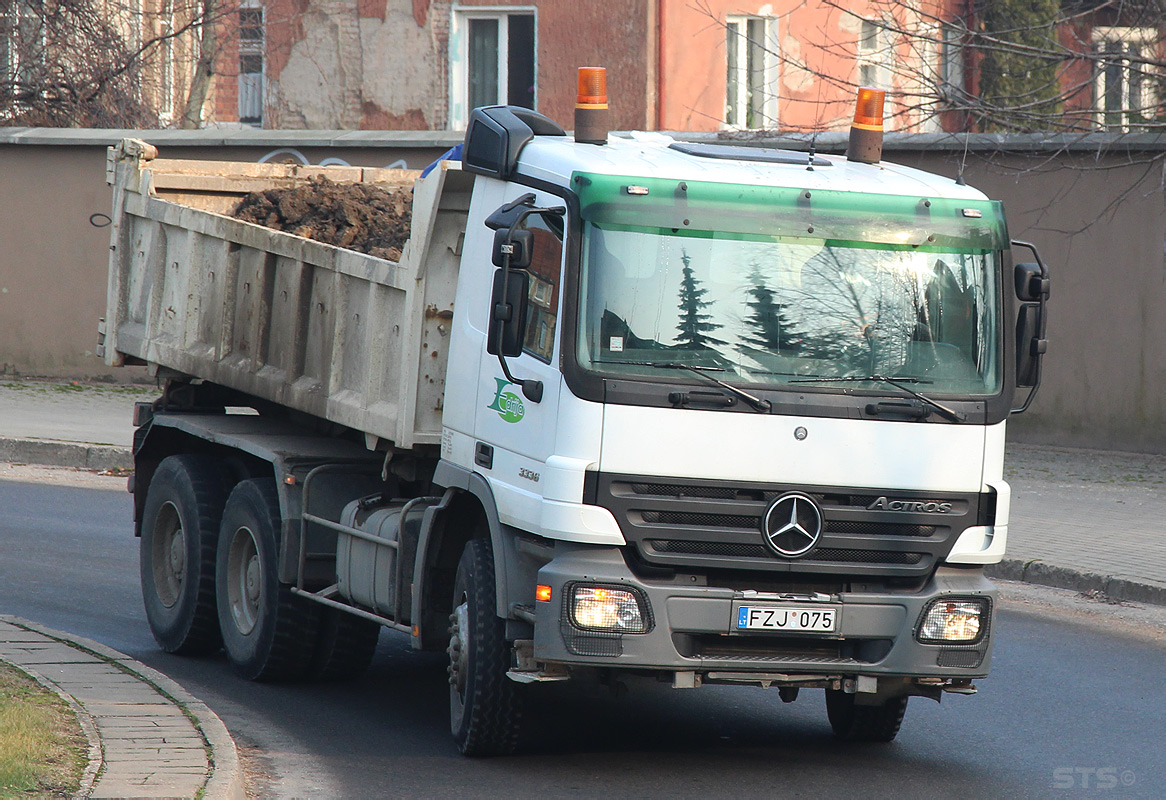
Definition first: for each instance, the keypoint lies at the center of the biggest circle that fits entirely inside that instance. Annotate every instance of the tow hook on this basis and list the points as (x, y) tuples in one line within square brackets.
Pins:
[(960, 687)]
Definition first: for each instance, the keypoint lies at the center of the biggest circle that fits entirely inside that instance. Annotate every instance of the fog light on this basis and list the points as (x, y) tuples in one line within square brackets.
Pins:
[(599, 608), (953, 621)]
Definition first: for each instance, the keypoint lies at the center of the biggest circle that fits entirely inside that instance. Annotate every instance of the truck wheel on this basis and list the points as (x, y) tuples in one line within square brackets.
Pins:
[(856, 723), (267, 630), (484, 705), (345, 646), (180, 524)]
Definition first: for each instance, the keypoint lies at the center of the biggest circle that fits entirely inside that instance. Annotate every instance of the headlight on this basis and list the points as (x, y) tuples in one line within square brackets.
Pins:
[(954, 621), (599, 608)]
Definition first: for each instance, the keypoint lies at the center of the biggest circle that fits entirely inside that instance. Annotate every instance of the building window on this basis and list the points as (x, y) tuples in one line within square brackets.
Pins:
[(166, 63), (9, 44), (251, 50), (873, 54), (22, 46), (751, 83), (951, 65), (1125, 80), (492, 61)]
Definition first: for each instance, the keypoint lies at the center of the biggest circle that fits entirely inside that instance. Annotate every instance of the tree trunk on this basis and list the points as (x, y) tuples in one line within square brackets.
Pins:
[(204, 69)]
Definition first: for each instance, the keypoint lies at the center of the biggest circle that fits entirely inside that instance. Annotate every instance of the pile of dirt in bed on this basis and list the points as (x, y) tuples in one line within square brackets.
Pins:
[(357, 216)]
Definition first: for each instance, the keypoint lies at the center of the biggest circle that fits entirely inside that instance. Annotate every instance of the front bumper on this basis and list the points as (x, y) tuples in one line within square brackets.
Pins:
[(691, 628)]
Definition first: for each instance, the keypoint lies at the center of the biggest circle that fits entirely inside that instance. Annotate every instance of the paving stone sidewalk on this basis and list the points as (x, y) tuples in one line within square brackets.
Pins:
[(147, 736), (1088, 520)]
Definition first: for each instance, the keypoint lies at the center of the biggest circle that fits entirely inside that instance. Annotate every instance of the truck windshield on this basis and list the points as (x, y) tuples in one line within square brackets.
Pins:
[(772, 308)]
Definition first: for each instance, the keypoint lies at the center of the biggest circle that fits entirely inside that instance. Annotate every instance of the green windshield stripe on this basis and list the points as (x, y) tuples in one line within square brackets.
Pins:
[(683, 207)]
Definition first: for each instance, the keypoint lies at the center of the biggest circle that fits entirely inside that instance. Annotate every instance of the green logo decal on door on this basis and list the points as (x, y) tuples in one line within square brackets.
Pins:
[(508, 405)]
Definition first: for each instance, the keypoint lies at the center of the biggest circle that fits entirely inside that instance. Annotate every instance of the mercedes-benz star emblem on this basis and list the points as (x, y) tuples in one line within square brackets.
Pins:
[(792, 525)]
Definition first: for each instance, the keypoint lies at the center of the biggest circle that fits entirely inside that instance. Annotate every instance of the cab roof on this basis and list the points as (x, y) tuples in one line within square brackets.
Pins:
[(554, 159)]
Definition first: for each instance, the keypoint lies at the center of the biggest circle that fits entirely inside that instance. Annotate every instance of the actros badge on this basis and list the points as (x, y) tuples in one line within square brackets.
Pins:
[(792, 525)]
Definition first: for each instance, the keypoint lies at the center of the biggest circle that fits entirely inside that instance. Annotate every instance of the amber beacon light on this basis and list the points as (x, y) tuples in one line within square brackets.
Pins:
[(591, 106), (866, 132)]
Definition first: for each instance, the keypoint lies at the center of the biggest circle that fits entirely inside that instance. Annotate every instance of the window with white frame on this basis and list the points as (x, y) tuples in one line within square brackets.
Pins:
[(166, 30), (22, 47), (9, 43), (1125, 84), (751, 76), (492, 60), (252, 46), (873, 53), (9, 49)]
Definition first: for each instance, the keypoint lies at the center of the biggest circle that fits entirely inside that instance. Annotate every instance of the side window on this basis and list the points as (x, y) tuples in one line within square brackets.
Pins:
[(543, 309)]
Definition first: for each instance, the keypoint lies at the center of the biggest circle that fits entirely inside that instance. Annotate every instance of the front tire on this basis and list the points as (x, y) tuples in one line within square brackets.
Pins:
[(856, 723), (485, 709), (180, 524), (267, 631)]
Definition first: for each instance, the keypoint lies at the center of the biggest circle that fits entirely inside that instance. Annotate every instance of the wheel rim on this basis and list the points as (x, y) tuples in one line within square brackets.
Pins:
[(459, 649), (244, 580), (168, 555)]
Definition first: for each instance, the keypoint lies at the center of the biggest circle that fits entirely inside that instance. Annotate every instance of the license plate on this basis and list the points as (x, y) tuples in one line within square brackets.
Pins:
[(787, 618)]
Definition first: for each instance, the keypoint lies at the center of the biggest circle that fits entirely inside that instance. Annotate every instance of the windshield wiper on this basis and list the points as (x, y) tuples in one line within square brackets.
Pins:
[(943, 410), (756, 403)]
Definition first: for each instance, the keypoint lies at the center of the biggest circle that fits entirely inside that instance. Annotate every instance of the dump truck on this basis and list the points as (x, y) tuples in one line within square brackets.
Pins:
[(627, 407)]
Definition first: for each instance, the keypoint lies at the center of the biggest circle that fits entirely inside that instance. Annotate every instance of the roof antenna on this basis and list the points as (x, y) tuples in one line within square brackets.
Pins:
[(959, 179), (813, 141)]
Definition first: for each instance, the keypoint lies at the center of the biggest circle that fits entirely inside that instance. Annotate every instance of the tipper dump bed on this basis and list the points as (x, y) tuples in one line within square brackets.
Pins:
[(348, 337)]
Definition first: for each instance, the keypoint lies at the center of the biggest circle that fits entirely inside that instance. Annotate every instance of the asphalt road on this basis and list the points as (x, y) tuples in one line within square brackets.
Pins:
[(1071, 709)]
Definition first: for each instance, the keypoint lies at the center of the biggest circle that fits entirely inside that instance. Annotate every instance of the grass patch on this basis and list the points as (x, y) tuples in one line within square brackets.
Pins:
[(43, 752)]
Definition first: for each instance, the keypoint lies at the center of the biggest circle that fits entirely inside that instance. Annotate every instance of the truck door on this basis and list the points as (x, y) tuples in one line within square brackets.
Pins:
[(514, 435)]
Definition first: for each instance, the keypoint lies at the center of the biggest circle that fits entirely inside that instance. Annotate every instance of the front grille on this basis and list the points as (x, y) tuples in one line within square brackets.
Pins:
[(741, 522), (822, 554), (757, 649), (708, 548), (718, 525), (698, 520), (865, 556), (881, 529), (969, 659), (673, 490), (764, 647)]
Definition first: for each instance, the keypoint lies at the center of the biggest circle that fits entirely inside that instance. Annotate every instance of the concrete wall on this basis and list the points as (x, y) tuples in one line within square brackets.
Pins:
[(53, 261), (1098, 217), (1100, 224)]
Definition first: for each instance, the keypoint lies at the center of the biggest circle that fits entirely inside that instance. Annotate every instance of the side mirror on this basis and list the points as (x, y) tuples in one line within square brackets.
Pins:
[(521, 247), (1030, 345), (508, 313), (1032, 282)]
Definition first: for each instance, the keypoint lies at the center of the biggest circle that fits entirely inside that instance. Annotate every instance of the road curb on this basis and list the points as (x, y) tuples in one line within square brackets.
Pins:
[(1114, 587), (226, 775), (78, 455)]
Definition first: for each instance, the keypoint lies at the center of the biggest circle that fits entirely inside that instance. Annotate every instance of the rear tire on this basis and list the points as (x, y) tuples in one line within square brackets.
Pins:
[(855, 723), (345, 645), (485, 708), (180, 528), (267, 631)]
